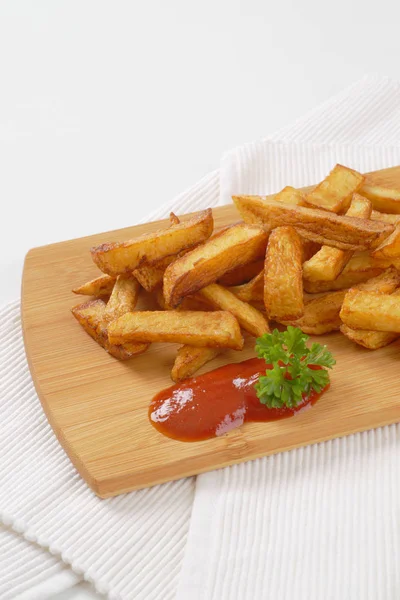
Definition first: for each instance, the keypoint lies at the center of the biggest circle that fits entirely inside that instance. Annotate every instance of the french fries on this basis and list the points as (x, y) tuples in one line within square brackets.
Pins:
[(387, 218), (242, 274), (328, 242), (101, 286), (91, 316), (150, 277), (190, 359), (119, 258), (385, 283), (383, 199), (123, 297), (252, 291), (289, 195), (283, 283), (329, 262), (323, 227), (218, 329), (373, 340), (249, 318), (321, 315), (232, 247), (360, 268), (371, 311), (334, 193), (390, 248)]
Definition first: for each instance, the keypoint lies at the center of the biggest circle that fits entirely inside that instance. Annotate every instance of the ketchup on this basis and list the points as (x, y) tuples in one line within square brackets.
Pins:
[(212, 404)]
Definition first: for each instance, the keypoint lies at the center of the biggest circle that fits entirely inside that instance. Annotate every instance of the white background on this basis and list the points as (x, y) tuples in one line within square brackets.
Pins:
[(109, 109)]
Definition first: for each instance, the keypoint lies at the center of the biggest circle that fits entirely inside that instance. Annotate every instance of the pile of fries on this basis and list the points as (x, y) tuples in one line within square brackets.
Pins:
[(322, 261)]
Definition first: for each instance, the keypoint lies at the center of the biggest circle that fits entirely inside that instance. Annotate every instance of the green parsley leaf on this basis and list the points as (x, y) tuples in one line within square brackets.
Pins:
[(291, 376)]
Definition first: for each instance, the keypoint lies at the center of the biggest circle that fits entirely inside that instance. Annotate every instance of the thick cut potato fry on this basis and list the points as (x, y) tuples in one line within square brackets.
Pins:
[(321, 315), (328, 263), (385, 283), (242, 274), (371, 311), (289, 195), (188, 303), (91, 316), (249, 318), (283, 282), (252, 291), (150, 277), (119, 258), (383, 199), (390, 248), (218, 329), (101, 286), (360, 268), (373, 340), (323, 227), (387, 218), (360, 207), (190, 359), (334, 193), (231, 248), (123, 298)]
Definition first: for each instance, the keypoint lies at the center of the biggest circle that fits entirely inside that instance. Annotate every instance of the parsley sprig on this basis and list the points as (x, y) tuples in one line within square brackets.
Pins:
[(291, 376)]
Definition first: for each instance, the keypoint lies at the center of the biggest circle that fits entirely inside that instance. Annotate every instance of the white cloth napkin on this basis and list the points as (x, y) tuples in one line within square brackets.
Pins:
[(318, 522)]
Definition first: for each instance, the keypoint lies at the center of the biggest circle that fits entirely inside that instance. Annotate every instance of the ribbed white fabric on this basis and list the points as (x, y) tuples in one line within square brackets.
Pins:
[(314, 523)]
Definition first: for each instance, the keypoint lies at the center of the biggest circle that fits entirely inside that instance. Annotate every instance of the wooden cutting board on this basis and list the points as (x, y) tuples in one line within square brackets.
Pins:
[(98, 406)]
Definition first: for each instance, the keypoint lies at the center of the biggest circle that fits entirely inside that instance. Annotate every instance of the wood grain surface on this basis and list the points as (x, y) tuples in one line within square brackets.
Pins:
[(98, 406)]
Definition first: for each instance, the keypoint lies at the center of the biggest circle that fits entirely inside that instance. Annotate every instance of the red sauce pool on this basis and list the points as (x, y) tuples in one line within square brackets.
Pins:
[(216, 402)]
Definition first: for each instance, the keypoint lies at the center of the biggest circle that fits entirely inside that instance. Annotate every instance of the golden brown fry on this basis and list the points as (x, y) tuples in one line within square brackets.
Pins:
[(242, 274), (231, 248), (123, 298), (390, 248), (101, 286), (118, 258), (334, 193), (91, 316), (321, 315), (380, 216), (283, 282), (360, 268), (383, 199), (289, 195), (360, 207), (371, 311), (328, 263), (190, 359), (385, 283), (218, 329), (188, 303), (249, 318), (347, 233), (252, 291), (150, 277), (373, 340)]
